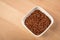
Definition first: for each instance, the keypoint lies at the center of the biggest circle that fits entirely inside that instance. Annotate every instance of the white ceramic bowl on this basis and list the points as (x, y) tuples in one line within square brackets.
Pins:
[(42, 10)]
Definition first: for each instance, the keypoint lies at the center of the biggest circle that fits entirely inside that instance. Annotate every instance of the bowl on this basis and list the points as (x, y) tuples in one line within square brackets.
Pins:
[(42, 10)]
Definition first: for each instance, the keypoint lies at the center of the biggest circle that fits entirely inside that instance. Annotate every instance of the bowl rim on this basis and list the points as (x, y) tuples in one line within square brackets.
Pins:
[(42, 10)]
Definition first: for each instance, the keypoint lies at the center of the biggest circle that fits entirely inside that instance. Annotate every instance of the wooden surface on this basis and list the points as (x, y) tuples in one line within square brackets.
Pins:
[(12, 12)]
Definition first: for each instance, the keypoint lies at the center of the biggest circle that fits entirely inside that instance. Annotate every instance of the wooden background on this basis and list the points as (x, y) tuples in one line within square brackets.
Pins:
[(12, 12)]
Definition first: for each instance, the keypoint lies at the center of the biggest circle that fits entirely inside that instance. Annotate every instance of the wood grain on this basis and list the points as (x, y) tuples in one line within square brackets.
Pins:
[(12, 11)]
